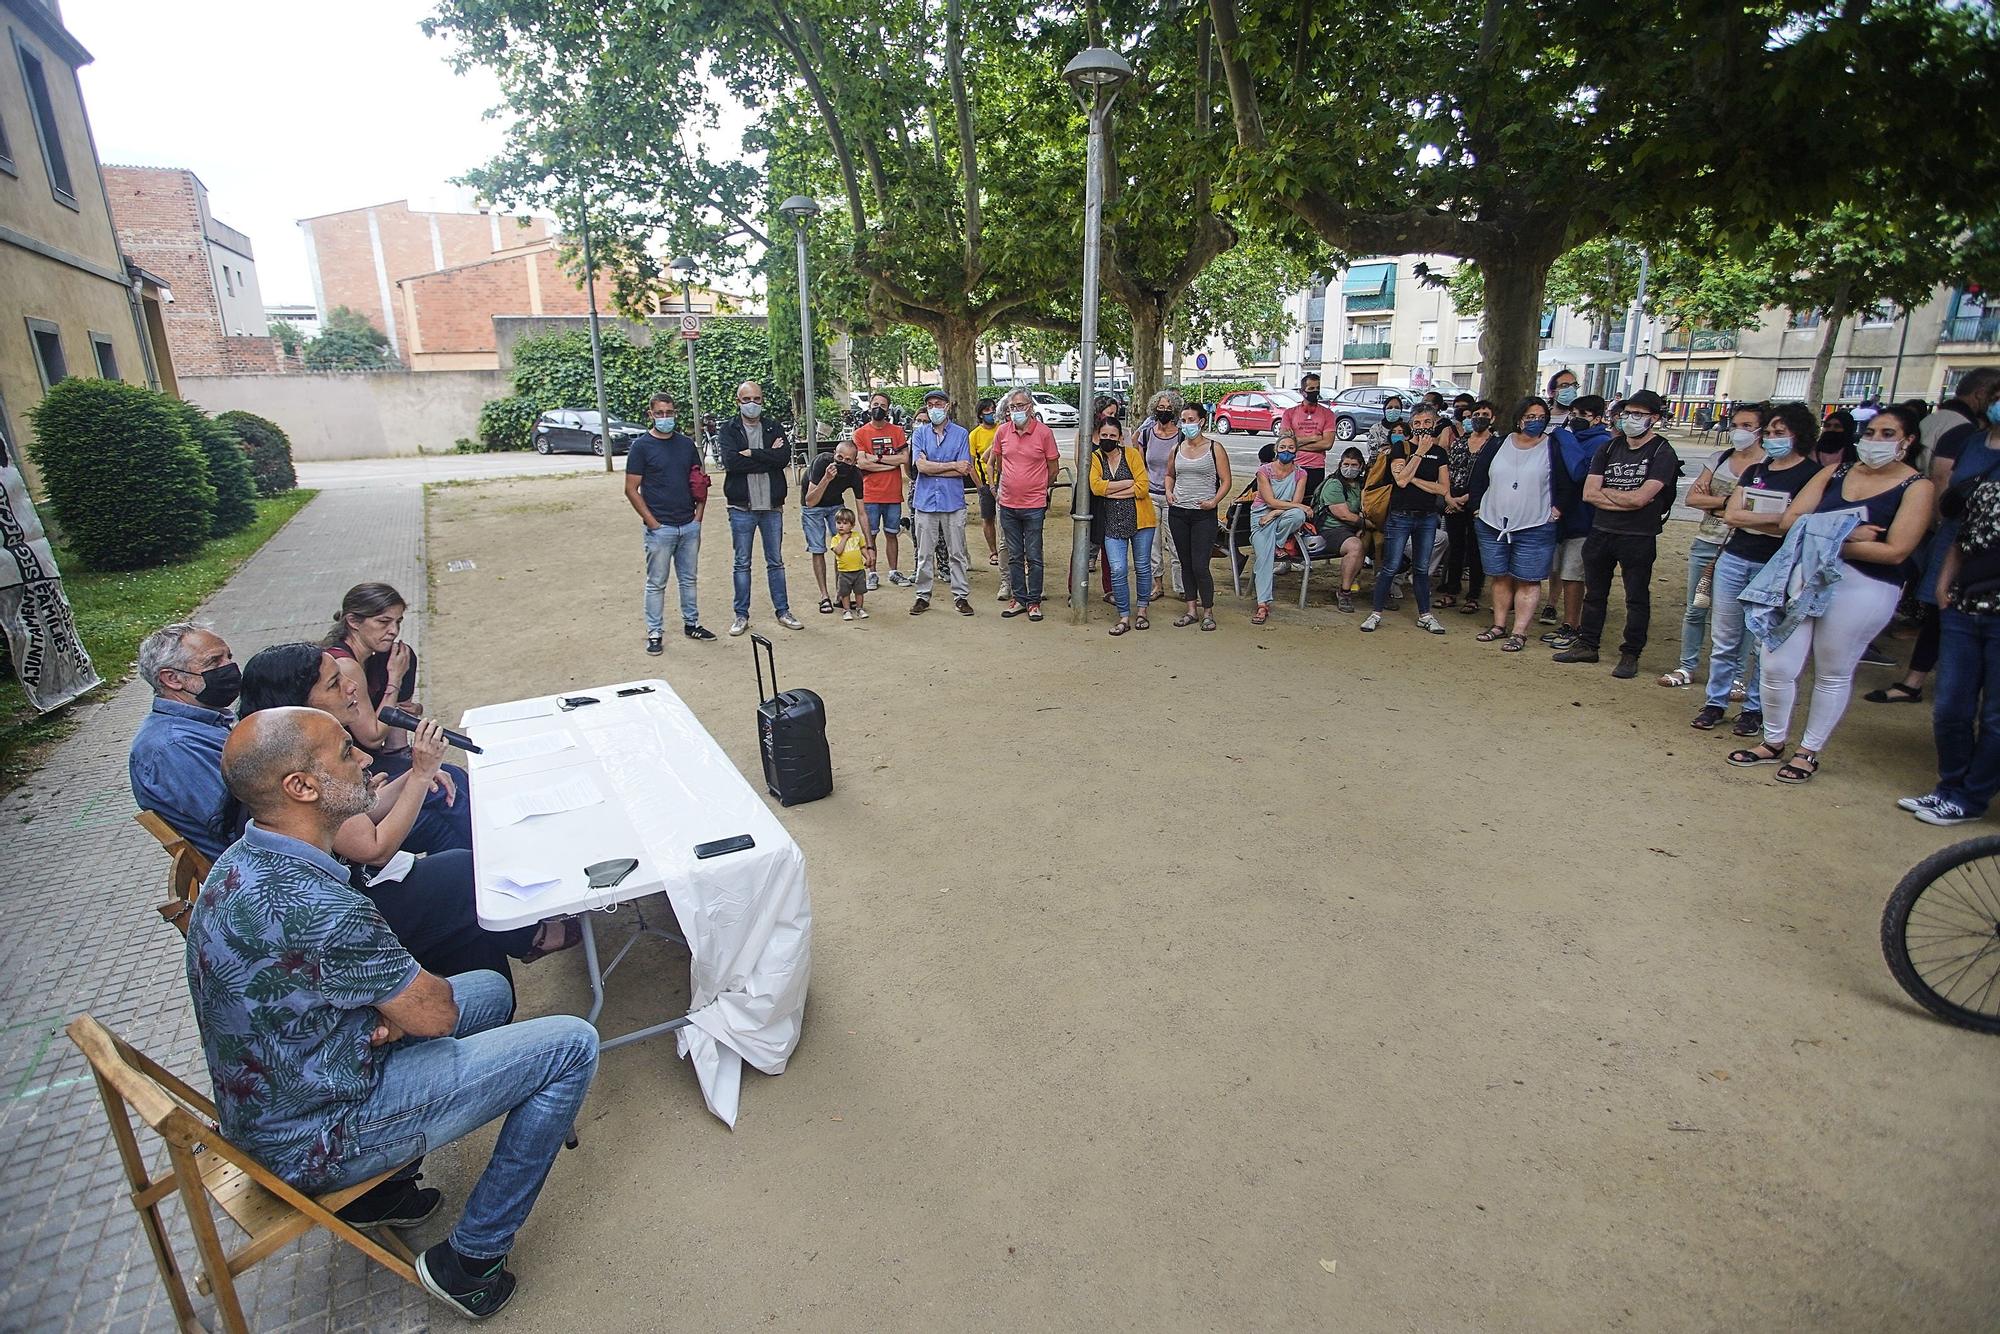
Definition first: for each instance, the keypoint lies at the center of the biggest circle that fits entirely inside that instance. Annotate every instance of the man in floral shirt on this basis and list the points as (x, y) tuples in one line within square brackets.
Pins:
[(333, 1056)]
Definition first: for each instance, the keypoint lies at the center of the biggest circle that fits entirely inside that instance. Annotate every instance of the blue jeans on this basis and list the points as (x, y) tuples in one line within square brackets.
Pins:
[(1733, 651), (1131, 558), (1965, 709), (436, 1090), (743, 526), (678, 545), (1265, 539), (1397, 532), (1021, 534), (1694, 624)]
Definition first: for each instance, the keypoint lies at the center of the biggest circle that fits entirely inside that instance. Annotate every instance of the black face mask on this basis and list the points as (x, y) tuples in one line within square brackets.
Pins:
[(219, 686), (1108, 444), (1164, 416), (880, 414), (1312, 395)]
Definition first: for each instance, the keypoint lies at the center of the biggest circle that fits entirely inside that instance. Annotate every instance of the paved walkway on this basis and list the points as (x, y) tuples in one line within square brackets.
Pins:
[(78, 884)]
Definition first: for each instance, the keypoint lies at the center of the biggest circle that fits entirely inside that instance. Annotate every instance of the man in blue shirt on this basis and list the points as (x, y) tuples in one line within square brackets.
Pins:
[(660, 473), (334, 1057), (176, 761), (942, 454)]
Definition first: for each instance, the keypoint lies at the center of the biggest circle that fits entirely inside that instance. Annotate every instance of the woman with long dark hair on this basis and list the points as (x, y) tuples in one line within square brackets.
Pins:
[(1196, 484)]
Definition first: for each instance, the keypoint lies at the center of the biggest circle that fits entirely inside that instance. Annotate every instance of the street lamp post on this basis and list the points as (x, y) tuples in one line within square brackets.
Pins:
[(802, 210), (1095, 76), (604, 436), (684, 270)]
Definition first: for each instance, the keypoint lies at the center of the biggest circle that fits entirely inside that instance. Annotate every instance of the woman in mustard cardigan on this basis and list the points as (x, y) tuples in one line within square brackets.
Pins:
[(1118, 480)]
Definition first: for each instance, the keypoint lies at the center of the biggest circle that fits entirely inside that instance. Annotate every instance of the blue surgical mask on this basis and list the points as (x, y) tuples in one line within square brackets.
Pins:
[(1534, 426), (986, 419), (1777, 446), (1566, 395), (1287, 455), (1993, 412), (937, 416), (665, 425), (1019, 416), (1189, 430), (751, 410), (1392, 414), (1396, 437)]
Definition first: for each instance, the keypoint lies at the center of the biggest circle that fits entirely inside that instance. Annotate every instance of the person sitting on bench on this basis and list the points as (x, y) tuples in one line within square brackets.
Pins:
[(334, 1055)]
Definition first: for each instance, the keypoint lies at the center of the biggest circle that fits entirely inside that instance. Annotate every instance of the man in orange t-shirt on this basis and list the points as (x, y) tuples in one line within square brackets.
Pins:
[(881, 450)]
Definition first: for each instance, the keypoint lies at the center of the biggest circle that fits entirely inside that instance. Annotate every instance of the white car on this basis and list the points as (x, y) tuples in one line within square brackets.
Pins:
[(1052, 411)]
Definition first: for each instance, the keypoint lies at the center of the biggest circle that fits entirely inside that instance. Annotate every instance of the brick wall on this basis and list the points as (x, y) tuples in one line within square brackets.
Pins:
[(346, 258), (159, 228), (453, 311)]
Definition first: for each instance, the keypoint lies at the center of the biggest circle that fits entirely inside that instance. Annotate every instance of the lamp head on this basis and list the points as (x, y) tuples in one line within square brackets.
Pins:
[(800, 209), (682, 268), (1097, 71)]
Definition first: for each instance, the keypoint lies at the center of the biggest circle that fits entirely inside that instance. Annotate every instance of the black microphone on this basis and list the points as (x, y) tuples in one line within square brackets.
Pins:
[(408, 721)]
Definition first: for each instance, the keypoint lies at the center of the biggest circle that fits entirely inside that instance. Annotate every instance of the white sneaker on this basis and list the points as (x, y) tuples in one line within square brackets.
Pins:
[(739, 625), (862, 613), (789, 621), (1915, 804), (1005, 596), (874, 581), (1430, 623), (1373, 621), (847, 615)]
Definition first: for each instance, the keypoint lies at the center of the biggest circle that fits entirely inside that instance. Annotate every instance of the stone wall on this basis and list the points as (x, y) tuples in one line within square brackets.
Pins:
[(358, 415)]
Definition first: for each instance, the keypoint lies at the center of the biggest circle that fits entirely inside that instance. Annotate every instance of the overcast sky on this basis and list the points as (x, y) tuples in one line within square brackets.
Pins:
[(285, 110)]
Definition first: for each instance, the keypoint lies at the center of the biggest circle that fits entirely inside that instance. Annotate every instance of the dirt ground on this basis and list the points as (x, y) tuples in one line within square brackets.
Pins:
[(1279, 978)]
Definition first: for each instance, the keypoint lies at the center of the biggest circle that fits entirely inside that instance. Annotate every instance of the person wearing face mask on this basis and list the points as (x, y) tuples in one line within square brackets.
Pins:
[(1118, 481), (666, 486), (1752, 513), (1312, 424), (1394, 428), (881, 450), (831, 482), (1744, 430), (1631, 486), (1562, 397), (1025, 456), (1582, 433), (1895, 505), (1518, 491), (980, 440), (1420, 478), (176, 761), (1836, 439), (1462, 568), (1157, 439), (755, 455), (1197, 481), (1337, 515), (1276, 515), (942, 453)]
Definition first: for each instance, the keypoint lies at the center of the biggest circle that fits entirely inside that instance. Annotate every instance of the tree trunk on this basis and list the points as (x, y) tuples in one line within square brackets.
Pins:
[(1834, 317), (1149, 353), (958, 361), (1177, 363), (987, 350), (1041, 373), (1515, 286)]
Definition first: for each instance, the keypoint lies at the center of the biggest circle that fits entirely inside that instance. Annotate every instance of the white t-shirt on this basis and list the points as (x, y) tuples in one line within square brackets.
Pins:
[(1517, 487)]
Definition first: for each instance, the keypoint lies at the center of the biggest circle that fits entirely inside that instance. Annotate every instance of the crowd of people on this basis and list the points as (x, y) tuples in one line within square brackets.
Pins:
[(353, 1011)]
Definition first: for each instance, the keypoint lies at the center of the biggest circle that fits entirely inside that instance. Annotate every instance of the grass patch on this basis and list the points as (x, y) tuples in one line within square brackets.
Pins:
[(114, 611)]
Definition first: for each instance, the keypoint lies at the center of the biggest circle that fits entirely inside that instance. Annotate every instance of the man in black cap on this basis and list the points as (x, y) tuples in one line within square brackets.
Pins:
[(1631, 488)]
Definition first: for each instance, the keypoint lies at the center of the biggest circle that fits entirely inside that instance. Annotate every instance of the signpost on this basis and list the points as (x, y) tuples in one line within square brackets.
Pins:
[(1201, 361), (690, 326)]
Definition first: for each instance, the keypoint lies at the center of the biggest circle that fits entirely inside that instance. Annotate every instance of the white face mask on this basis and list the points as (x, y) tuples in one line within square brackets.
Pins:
[(1634, 425), (1742, 438), (1875, 453)]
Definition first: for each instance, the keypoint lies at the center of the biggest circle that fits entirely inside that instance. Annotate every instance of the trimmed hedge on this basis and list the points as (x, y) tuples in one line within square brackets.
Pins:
[(125, 479), (269, 448), (508, 423), (228, 471)]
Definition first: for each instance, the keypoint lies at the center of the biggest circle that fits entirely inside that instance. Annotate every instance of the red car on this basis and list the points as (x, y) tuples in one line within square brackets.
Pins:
[(1253, 411)]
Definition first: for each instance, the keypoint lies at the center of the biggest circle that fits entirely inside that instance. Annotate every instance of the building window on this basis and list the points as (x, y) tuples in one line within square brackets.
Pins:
[(1881, 315), (49, 359), (1692, 384), (1370, 287), (1861, 382), (44, 112), (6, 151), (1607, 384), (1802, 319), (227, 285), (1366, 377), (107, 359), (1427, 333), (1791, 385), (1468, 331)]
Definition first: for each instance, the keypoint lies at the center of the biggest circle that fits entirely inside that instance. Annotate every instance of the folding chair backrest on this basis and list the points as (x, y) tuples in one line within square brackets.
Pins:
[(187, 869)]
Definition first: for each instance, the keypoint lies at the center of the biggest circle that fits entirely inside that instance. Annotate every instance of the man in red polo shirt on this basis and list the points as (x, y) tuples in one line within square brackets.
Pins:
[(1024, 450), (1312, 422)]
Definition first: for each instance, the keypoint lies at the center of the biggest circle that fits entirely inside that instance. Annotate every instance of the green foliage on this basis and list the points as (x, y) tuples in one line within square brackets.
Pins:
[(347, 320), (269, 448), (508, 423), (1240, 297), (127, 482), (228, 471), (288, 336), (345, 350)]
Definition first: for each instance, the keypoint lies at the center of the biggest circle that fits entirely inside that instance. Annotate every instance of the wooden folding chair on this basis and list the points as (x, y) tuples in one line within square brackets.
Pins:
[(184, 876), (204, 1167)]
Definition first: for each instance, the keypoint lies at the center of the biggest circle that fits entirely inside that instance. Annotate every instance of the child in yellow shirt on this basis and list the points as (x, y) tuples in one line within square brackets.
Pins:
[(852, 556)]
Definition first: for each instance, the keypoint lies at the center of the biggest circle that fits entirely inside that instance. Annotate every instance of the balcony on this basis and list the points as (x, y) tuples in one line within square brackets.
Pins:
[(1365, 352), (1702, 340), (1971, 329)]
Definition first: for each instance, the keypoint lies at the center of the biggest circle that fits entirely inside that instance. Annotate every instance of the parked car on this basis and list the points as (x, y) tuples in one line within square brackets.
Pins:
[(1357, 409), (1052, 411), (574, 431), (1253, 411)]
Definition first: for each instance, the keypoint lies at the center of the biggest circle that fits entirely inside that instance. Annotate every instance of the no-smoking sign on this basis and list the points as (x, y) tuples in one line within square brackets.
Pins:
[(690, 326)]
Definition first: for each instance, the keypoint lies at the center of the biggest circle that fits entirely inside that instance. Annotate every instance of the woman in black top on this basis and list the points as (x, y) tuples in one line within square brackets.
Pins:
[(1420, 472), (1461, 561)]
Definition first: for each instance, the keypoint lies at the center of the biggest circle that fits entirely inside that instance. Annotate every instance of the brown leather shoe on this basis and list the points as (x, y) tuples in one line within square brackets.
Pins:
[(964, 606)]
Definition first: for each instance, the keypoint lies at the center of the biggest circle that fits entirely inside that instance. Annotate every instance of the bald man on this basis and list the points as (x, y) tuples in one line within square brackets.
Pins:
[(333, 1055), (754, 456)]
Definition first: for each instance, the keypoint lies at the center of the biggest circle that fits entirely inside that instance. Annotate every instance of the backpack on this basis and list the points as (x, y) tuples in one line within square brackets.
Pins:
[(1376, 489)]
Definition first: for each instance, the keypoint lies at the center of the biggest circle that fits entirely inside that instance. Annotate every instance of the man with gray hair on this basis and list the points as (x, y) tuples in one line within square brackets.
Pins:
[(1024, 453), (176, 761), (754, 457)]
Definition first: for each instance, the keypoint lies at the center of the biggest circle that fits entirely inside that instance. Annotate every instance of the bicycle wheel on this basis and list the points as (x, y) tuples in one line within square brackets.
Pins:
[(1941, 933)]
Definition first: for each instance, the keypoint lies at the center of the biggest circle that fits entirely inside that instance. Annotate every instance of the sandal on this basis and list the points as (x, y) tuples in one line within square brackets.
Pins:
[(1491, 633), (1896, 694), (1514, 644), (1763, 753), (993, 559), (826, 606), (1262, 614), (1678, 677), (1186, 618), (1140, 622), (1470, 607), (572, 936), (1804, 764), (1208, 622), (1444, 600), (1123, 627)]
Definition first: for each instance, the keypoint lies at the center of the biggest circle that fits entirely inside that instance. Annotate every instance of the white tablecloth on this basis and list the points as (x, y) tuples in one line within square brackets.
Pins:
[(667, 787)]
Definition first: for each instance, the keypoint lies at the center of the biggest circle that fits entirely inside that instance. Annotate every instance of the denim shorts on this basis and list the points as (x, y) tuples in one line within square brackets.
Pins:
[(817, 520), (887, 515), (1527, 554)]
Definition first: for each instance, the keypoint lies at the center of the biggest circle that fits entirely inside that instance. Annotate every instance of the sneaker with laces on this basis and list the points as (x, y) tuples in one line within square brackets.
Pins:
[(1344, 600), (962, 605), (899, 579), (476, 1289), (699, 633), (1915, 804), (847, 615), (789, 621), (1548, 614), (1564, 631), (1430, 623), (738, 626), (874, 581), (399, 1202), (1563, 639), (1873, 656), (1944, 813), (861, 613), (1373, 620), (655, 645)]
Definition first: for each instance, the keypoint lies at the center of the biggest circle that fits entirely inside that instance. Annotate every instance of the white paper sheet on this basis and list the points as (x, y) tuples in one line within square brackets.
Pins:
[(523, 884), (528, 747), (393, 870), (554, 799), (515, 711)]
